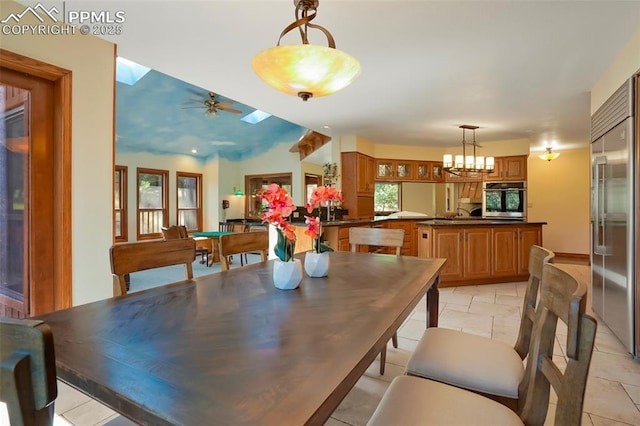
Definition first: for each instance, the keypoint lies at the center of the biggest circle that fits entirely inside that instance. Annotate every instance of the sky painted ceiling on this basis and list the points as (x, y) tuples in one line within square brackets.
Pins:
[(155, 115)]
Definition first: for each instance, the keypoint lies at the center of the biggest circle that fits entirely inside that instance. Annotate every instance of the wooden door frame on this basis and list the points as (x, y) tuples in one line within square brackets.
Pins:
[(44, 300)]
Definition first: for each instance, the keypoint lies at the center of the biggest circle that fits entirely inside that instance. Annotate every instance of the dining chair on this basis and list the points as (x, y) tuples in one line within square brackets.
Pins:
[(380, 237), (236, 227), (240, 243), (203, 244), (480, 364), (411, 400), (127, 258), (28, 374)]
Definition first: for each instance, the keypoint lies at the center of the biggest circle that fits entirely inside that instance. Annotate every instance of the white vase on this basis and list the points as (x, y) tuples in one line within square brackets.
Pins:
[(316, 264), (287, 275)]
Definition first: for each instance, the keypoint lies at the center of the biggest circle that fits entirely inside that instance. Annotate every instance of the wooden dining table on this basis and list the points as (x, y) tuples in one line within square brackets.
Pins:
[(231, 349)]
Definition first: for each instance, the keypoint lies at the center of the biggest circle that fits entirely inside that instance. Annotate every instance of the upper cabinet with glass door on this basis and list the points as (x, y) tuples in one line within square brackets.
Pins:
[(395, 169), (429, 171)]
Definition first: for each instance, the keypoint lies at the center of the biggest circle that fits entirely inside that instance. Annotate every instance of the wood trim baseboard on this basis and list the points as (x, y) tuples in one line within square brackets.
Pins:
[(572, 257)]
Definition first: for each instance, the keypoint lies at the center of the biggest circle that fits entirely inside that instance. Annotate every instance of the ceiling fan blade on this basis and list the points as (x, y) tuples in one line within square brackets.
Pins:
[(223, 104), (234, 111)]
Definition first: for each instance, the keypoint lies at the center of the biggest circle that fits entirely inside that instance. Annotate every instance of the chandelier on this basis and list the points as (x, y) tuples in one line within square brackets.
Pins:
[(306, 70), (464, 164), (549, 155)]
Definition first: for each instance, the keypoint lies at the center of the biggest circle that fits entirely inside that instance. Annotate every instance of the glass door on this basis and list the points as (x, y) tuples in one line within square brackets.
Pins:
[(14, 196)]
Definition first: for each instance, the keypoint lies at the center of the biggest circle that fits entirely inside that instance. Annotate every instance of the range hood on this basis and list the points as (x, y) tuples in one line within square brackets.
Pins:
[(471, 193)]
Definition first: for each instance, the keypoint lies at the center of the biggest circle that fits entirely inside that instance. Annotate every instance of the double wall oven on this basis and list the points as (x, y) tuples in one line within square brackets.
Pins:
[(504, 199)]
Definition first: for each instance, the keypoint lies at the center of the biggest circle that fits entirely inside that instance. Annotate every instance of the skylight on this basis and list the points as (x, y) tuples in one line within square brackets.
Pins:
[(128, 72), (255, 117)]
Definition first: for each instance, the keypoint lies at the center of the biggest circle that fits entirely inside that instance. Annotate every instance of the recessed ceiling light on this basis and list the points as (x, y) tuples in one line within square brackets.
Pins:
[(255, 117), (194, 151)]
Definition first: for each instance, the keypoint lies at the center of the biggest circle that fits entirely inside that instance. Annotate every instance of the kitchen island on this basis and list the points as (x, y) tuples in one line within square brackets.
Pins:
[(479, 251)]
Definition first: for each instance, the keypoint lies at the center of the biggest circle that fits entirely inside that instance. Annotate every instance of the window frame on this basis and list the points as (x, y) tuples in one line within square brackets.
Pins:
[(123, 201), (198, 208), (165, 202)]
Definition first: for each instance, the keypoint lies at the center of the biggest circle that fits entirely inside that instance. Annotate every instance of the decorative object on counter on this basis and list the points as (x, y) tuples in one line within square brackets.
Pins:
[(287, 271), (287, 275), (306, 70), (316, 265), (330, 173), (316, 262), (464, 165), (549, 155)]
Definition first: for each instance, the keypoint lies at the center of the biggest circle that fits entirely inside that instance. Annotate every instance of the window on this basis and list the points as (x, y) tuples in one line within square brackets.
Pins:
[(153, 193), (120, 204), (386, 197), (189, 193)]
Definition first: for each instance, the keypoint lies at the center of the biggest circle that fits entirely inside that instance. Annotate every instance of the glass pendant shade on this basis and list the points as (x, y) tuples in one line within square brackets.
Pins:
[(306, 70), (490, 163), (549, 155), (447, 160)]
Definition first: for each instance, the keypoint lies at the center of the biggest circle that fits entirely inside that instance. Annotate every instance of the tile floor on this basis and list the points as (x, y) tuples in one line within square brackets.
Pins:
[(613, 390)]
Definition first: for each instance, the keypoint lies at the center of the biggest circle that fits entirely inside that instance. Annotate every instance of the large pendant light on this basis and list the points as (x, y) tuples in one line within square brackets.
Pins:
[(306, 70), (462, 165)]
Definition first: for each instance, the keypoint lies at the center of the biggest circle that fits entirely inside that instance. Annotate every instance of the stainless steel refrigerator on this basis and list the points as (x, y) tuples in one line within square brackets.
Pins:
[(614, 214)]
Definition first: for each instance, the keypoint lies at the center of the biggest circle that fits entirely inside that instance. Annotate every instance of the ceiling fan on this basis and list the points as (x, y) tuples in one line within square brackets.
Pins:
[(212, 105)]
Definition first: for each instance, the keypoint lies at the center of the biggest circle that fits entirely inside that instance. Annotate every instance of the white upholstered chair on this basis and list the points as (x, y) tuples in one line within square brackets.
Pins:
[(411, 400), (380, 237), (480, 364)]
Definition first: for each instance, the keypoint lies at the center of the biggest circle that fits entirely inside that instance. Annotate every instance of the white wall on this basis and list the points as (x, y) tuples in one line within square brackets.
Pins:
[(92, 61), (419, 197), (559, 193), (626, 64)]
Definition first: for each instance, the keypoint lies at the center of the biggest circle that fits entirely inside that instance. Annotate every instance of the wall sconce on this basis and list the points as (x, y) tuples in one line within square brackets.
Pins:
[(549, 155), (238, 192)]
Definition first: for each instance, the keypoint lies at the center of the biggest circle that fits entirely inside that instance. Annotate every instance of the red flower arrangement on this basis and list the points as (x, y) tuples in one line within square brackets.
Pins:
[(279, 208), (322, 196)]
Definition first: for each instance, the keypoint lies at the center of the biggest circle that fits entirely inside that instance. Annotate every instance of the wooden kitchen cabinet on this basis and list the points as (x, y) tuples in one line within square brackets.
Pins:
[(424, 236), (467, 177), (467, 251), (429, 171), (511, 247), (337, 237), (365, 168), (528, 236), (512, 168), (480, 254), (358, 184), (409, 248), (397, 170)]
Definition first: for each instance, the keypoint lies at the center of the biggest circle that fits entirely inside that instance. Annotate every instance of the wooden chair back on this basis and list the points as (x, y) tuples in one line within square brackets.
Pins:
[(28, 374), (538, 257), (140, 256), (174, 232), (376, 237), (562, 298), (233, 227), (245, 242)]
